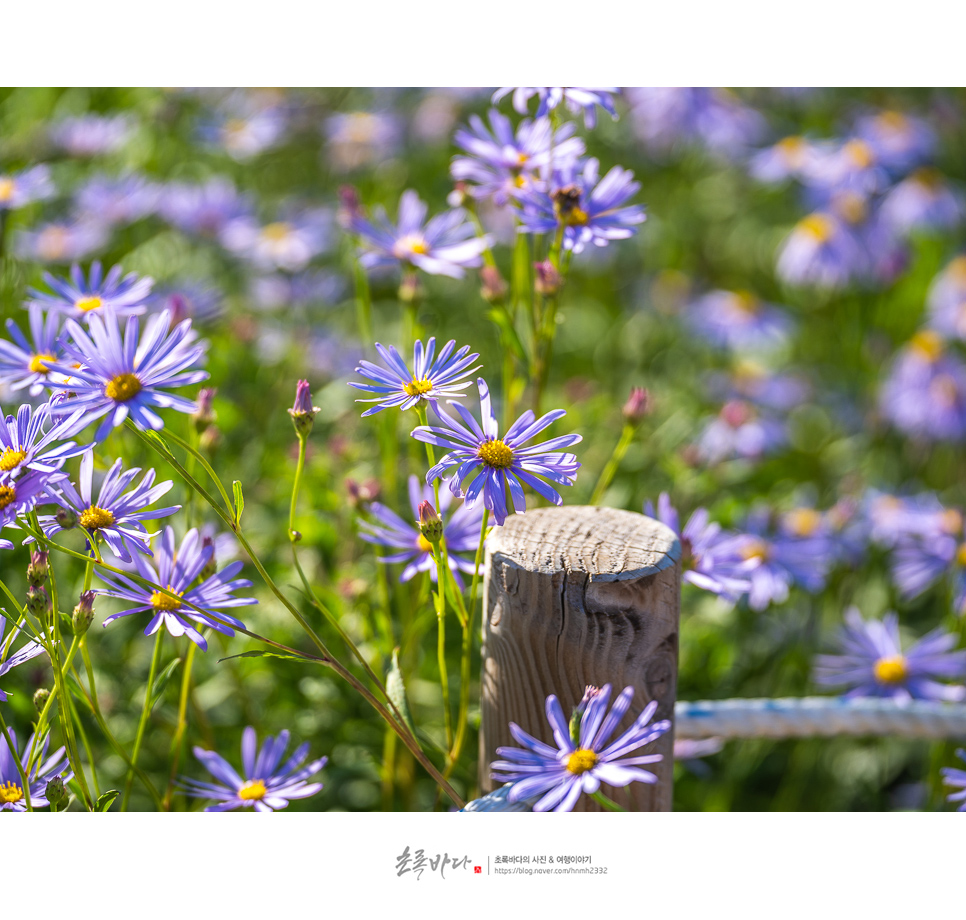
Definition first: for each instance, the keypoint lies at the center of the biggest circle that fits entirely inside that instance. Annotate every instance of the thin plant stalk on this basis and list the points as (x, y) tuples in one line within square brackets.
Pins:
[(145, 713)]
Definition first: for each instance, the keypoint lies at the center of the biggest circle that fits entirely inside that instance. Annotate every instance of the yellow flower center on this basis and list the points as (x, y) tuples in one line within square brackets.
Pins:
[(961, 554), (11, 458), (951, 521), (755, 549), (928, 177), (803, 522), (95, 518), (10, 792), (52, 242), (37, 365), (746, 302), (860, 153), (253, 790), (424, 544), (122, 388), (7, 495), (7, 188), (417, 387), (792, 148), (893, 121), (581, 761), (891, 670), (817, 226), (361, 127), (852, 207), (413, 244), (277, 232), (161, 601), (86, 304), (957, 268), (928, 344), (495, 454)]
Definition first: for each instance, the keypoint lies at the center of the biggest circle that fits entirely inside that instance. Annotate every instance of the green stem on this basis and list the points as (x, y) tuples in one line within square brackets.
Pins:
[(613, 464), (441, 644), (145, 713), (295, 488), (607, 803), (182, 725)]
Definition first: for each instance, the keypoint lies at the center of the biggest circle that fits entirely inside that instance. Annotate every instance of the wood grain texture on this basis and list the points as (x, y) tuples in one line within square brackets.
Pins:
[(576, 596)]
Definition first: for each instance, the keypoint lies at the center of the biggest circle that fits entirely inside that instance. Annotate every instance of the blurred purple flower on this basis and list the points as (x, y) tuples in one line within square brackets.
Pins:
[(289, 243), (19, 189), (83, 298), (900, 141), (956, 779), (739, 430), (117, 201), (738, 320), (461, 534), (358, 139), (203, 210), (875, 665), (578, 99), (923, 202), (68, 240), (91, 135), (822, 251), (946, 300), (925, 393)]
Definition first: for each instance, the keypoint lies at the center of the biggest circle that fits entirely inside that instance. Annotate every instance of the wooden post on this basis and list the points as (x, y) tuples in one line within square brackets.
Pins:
[(576, 596)]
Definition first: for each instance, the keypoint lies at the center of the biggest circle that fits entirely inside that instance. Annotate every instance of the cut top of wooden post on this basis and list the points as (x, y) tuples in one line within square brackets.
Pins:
[(605, 544), (579, 596)]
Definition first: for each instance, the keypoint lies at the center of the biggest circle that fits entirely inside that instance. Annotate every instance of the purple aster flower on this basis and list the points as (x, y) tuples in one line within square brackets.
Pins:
[(925, 393), (21, 495), (289, 243), (581, 760), (117, 202), (117, 516), (358, 139), (120, 379), (305, 289), (590, 209), (19, 189), (203, 210), (20, 448), (738, 320), (956, 779), (487, 465), (91, 135), (823, 251), (447, 245), (773, 562), (266, 786), (430, 380), (246, 127), (461, 534), (187, 300), (62, 241), (791, 158), (44, 770), (22, 362), (10, 659), (754, 382), (848, 529), (946, 300), (502, 162), (739, 430), (891, 518), (176, 569), (666, 116), (899, 141), (875, 665), (84, 297), (577, 99), (852, 166), (703, 564), (923, 202)]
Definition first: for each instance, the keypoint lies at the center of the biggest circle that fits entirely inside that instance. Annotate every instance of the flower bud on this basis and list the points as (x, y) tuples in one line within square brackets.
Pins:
[(38, 568), (362, 493), (492, 286), (211, 566), (637, 406), (457, 197), (55, 793), (205, 413), (430, 523), (547, 280), (350, 209), (410, 290), (83, 613), (303, 412), (578, 714), (67, 518), (37, 601), (737, 413), (210, 439), (177, 307), (40, 698)]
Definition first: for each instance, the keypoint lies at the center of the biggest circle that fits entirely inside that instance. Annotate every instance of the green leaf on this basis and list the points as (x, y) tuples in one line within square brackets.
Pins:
[(262, 654), (161, 681), (236, 488), (396, 689), (105, 800)]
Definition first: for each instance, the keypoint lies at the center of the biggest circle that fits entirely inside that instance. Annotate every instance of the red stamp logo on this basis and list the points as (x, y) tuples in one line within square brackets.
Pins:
[(477, 870)]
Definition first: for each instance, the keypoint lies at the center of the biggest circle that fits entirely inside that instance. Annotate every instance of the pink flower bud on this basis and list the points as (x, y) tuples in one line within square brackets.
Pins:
[(547, 280), (637, 406)]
